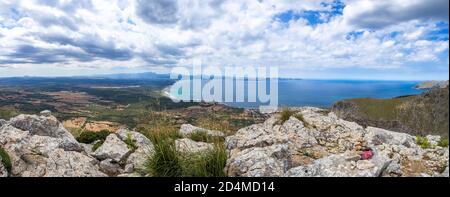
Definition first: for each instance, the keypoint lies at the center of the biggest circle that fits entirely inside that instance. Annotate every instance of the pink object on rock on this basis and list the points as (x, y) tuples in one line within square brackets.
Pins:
[(367, 154)]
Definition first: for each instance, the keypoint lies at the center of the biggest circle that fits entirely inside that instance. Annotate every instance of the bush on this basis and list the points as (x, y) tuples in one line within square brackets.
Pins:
[(423, 142), (285, 114), (209, 164), (443, 142), (97, 145), (6, 160), (89, 137), (165, 162)]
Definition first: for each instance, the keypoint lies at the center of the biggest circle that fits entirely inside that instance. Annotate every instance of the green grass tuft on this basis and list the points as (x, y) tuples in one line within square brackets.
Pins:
[(6, 160), (285, 114), (165, 162), (443, 142), (131, 143), (97, 145), (89, 137), (423, 142), (209, 164)]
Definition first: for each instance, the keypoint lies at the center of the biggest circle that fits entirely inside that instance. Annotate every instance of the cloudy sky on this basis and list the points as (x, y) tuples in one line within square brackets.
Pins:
[(322, 39)]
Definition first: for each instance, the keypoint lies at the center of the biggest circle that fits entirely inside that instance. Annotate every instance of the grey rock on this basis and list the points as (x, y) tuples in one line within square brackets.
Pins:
[(110, 167), (3, 122), (271, 161), (186, 130), (189, 146), (144, 149), (62, 163), (113, 148), (338, 166), (46, 113), (377, 136), (46, 126)]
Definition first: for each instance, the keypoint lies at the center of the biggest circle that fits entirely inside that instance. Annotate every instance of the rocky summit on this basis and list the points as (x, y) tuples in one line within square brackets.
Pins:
[(311, 143), (39, 146), (315, 143)]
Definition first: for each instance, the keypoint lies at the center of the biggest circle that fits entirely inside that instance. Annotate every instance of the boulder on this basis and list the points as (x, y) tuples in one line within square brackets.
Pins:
[(110, 167), (144, 149), (339, 166), (186, 130), (189, 146), (113, 148), (3, 122), (46, 126), (271, 161), (376, 136), (62, 163)]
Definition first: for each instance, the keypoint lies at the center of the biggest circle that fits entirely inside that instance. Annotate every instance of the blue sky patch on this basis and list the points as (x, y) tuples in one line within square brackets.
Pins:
[(313, 17)]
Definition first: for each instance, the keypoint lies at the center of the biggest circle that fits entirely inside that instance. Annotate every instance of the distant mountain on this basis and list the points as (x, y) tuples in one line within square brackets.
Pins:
[(423, 114), (145, 75)]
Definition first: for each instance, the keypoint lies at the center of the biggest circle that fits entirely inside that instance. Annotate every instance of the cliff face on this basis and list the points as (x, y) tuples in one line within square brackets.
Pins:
[(423, 114), (312, 142)]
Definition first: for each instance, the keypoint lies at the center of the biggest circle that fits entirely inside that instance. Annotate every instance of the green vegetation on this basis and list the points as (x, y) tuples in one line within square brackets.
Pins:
[(423, 142), (131, 143), (89, 137), (209, 164), (423, 114), (285, 114), (202, 136), (6, 160), (165, 162), (97, 145), (443, 142)]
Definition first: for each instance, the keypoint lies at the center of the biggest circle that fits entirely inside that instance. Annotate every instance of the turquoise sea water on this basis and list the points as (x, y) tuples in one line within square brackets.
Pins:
[(323, 93)]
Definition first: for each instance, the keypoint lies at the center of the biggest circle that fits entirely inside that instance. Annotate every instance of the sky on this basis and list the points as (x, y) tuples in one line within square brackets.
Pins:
[(317, 39)]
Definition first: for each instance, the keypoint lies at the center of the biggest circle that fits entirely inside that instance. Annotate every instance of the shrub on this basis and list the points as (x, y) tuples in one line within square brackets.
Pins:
[(89, 137), (5, 159), (285, 114), (165, 162), (131, 143), (443, 142), (97, 145), (423, 142), (209, 164)]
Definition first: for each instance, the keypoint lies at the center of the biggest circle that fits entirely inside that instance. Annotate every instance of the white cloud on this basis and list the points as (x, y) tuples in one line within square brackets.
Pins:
[(161, 34)]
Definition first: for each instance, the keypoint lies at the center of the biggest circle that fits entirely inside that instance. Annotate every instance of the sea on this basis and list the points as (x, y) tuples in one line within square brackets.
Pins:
[(322, 93)]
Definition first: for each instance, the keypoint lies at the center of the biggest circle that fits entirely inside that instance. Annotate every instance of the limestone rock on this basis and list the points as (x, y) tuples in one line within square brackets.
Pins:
[(3, 122), (190, 146), (110, 167), (271, 161), (186, 130), (62, 163), (144, 149), (376, 136), (113, 148), (46, 126), (338, 166)]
